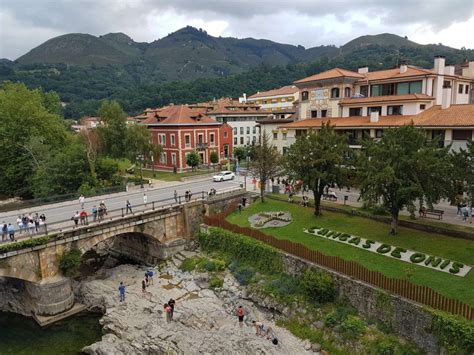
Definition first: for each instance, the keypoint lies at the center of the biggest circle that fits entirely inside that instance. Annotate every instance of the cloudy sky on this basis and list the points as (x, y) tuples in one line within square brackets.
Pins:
[(25, 24)]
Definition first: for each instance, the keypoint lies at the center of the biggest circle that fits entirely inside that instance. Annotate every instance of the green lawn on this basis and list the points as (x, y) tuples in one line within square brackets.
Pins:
[(459, 250), (427, 221)]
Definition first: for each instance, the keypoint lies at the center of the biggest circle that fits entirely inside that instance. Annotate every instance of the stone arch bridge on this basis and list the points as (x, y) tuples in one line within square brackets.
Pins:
[(149, 236)]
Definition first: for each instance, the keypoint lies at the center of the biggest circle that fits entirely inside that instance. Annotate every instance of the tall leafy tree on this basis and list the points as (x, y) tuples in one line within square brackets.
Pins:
[(266, 162), (114, 129), (396, 170), (30, 130), (318, 158), (139, 142)]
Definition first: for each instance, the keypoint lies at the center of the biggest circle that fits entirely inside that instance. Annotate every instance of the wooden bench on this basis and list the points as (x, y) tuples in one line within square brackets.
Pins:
[(438, 213)]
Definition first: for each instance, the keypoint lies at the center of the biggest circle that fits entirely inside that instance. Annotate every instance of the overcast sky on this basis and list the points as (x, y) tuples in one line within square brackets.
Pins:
[(25, 24)]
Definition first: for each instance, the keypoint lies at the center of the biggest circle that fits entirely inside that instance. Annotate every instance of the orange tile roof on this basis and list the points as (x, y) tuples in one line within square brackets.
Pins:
[(374, 99), (454, 116), (394, 73), (179, 115), (349, 122), (285, 90), (233, 107), (330, 74)]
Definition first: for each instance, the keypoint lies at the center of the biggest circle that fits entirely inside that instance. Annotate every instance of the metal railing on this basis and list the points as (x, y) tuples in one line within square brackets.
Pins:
[(57, 198), (69, 224)]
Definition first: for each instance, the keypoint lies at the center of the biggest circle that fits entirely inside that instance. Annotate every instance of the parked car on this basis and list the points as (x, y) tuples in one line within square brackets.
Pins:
[(224, 175)]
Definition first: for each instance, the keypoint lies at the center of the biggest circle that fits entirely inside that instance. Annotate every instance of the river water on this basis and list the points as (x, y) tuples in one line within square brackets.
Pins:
[(21, 335)]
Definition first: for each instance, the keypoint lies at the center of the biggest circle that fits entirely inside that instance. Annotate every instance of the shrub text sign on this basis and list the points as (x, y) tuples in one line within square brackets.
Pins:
[(409, 256)]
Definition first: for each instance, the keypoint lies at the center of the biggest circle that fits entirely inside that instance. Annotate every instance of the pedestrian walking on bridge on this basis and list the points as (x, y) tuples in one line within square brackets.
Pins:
[(129, 206)]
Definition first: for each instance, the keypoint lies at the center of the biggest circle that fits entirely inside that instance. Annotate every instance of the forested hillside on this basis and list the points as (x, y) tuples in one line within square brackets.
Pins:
[(189, 65)]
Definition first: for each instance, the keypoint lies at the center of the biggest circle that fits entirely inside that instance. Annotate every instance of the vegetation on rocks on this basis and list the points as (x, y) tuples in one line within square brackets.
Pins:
[(24, 244), (69, 262)]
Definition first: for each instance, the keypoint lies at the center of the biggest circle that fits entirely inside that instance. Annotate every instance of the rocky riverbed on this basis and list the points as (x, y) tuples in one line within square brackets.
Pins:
[(204, 320)]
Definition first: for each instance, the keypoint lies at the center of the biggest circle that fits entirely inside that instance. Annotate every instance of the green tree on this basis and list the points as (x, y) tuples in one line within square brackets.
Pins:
[(193, 159), (139, 142), (266, 162), (463, 173), (114, 129), (240, 153), (214, 157), (390, 170), (30, 131), (63, 173), (317, 158)]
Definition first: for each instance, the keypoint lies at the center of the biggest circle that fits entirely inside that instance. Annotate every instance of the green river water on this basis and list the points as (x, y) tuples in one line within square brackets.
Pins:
[(21, 335)]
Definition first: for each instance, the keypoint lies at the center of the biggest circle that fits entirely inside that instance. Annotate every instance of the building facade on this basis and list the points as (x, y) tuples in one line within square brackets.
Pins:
[(180, 130), (242, 117), (365, 103), (276, 99)]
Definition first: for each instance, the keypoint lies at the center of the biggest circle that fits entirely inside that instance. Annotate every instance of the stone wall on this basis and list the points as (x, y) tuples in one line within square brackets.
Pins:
[(406, 318)]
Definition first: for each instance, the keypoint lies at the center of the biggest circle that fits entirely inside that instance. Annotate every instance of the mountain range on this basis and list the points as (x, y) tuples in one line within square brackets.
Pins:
[(183, 66), (191, 53)]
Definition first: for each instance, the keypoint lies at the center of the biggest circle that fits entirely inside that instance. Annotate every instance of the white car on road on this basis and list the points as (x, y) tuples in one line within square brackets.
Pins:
[(224, 175)]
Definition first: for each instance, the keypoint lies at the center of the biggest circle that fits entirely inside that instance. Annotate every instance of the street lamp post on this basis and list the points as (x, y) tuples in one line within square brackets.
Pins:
[(140, 158), (152, 164)]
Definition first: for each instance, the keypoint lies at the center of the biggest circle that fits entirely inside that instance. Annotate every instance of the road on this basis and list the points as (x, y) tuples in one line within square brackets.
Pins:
[(65, 210)]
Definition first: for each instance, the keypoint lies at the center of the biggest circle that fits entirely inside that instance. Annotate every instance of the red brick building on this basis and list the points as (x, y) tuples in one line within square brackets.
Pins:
[(181, 130)]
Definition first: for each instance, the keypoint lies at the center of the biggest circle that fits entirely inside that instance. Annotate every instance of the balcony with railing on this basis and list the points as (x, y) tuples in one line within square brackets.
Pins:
[(202, 146)]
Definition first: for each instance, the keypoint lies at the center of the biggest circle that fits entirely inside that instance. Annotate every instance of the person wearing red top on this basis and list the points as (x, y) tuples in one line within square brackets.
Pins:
[(240, 315), (83, 217)]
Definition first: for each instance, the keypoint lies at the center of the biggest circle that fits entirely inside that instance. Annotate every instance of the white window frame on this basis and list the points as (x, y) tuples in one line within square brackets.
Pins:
[(187, 145), (173, 139)]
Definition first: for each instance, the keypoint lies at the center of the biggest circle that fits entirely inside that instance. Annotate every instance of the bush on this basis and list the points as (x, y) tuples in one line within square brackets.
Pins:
[(284, 287), (189, 264), (244, 274), (210, 265), (24, 244), (69, 262), (384, 348), (455, 333), (353, 327), (215, 282), (244, 249), (318, 286), (331, 320)]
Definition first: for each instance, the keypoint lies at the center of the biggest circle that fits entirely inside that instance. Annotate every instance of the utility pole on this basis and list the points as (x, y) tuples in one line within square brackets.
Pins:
[(152, 164), (140, 158)]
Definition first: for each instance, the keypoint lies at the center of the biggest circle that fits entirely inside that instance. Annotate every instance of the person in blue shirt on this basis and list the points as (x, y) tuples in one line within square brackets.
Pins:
[(122, 292), (11, 231)]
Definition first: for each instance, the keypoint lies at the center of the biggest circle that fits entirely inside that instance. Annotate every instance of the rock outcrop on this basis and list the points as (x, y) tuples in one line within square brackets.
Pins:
[(204, 320)]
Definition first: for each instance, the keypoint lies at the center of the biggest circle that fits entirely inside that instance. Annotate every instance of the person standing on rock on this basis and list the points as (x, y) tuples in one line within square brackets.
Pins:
[(168, 312), (171, 304), (150, 276), (122, 292), (240, 315), (144, 287)]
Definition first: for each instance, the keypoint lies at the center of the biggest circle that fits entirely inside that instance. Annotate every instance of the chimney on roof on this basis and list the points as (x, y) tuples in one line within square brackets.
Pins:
[(439, 62), (363, 70), (403, 67), (446, 100), (449, 70), (374, 116)]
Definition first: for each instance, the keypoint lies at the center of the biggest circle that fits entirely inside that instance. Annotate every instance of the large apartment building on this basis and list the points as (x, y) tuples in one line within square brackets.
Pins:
[(363, 103)]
